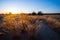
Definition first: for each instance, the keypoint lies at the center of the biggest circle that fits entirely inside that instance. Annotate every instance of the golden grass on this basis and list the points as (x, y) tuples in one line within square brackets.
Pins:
[(14, 24)]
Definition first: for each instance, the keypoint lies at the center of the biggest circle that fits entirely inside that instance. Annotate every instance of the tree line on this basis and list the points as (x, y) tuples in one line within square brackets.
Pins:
[(34, 13)]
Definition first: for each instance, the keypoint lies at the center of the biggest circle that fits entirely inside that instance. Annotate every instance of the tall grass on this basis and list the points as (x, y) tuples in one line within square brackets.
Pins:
[(14, 25)]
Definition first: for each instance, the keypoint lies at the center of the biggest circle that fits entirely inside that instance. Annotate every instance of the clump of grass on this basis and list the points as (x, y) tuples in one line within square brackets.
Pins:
[(53, 22), (14, 24)]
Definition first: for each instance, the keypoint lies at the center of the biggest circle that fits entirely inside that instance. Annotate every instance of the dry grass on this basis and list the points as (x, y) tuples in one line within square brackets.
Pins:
[(14, 24)]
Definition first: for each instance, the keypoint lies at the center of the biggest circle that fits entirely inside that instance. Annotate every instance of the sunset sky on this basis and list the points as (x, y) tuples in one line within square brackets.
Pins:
[(30, 6)]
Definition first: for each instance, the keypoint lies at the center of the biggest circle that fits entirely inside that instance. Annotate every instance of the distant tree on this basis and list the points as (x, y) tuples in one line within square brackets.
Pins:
[(29, 13), (39, 13), (10, 13), (22, 13), (33, 13)]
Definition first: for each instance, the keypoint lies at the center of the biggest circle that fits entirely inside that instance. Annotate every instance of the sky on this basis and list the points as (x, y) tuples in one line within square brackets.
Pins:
[(46, 6)]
